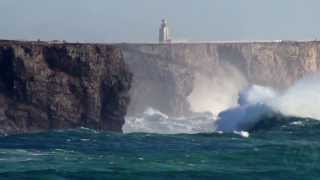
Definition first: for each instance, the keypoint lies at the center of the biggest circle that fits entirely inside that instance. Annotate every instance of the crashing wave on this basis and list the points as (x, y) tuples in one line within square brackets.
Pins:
[(258, 108), (261, 106)]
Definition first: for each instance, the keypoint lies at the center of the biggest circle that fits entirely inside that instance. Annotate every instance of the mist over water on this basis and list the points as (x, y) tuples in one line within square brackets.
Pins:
[(301, 100), (218, 91), (253, 104)]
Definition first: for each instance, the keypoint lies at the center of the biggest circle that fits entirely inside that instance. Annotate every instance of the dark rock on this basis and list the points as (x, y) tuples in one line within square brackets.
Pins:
[(52, 86)]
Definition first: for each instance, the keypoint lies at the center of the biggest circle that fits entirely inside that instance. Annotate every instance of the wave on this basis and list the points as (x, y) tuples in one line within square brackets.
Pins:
[(258, 108), (258, 104), (154, 121)]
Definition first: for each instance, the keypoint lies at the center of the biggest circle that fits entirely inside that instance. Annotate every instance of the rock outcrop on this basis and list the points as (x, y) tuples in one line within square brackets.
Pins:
[(47, 86), (203, 76)]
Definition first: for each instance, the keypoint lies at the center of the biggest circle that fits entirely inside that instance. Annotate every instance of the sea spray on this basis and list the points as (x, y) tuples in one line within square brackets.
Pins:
[(257, 103), (218, 90), (301, 100)]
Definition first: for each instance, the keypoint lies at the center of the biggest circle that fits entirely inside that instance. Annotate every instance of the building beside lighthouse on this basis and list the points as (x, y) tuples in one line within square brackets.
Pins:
[(164, 32)]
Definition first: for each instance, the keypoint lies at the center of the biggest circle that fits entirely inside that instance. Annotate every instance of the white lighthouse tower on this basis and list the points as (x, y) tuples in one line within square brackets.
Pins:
[(164, 32)]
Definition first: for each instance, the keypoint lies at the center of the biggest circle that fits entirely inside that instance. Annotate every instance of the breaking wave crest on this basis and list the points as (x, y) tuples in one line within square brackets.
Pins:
[(258, 103)]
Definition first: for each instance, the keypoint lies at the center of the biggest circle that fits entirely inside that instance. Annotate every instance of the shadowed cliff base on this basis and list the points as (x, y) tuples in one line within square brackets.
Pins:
[(47, 86)]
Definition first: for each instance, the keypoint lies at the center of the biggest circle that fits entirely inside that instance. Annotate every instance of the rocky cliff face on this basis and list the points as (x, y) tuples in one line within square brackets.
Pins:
[(177, 78), (52, 86)]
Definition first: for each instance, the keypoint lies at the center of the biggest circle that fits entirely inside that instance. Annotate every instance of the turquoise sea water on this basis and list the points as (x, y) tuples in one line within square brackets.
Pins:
[(288, 151)]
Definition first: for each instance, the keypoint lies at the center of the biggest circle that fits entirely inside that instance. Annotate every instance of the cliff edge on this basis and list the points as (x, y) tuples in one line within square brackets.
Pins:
[(47, 86)]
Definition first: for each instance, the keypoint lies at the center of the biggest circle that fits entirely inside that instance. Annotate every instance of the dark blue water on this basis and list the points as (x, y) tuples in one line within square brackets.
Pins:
[(289, 151)]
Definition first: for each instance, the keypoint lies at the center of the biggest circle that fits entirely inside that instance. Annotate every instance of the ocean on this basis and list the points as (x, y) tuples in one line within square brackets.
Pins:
[(287, 151)]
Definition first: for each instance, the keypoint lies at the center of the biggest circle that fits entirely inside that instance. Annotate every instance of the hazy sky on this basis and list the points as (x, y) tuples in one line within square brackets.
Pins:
[(139, 20)]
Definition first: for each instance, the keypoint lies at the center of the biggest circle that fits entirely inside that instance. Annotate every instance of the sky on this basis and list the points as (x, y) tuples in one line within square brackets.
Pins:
[(139, 20)]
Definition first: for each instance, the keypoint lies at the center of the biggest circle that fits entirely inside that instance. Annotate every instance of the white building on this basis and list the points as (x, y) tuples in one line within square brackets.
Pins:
[(164, 32)]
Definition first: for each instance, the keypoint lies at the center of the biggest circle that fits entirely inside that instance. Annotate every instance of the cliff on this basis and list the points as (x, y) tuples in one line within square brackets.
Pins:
[(179, 78), (47, 86), (158, 80)]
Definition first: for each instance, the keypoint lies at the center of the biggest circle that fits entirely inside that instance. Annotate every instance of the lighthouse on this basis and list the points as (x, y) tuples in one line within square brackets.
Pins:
[(164, 32)]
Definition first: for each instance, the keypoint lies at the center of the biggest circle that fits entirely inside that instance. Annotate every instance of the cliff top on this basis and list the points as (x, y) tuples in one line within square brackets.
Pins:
[(58, 42)]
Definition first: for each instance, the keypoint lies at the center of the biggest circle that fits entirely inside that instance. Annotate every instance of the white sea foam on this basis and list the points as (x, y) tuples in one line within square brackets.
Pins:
[(153, 121), (243, 134)]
